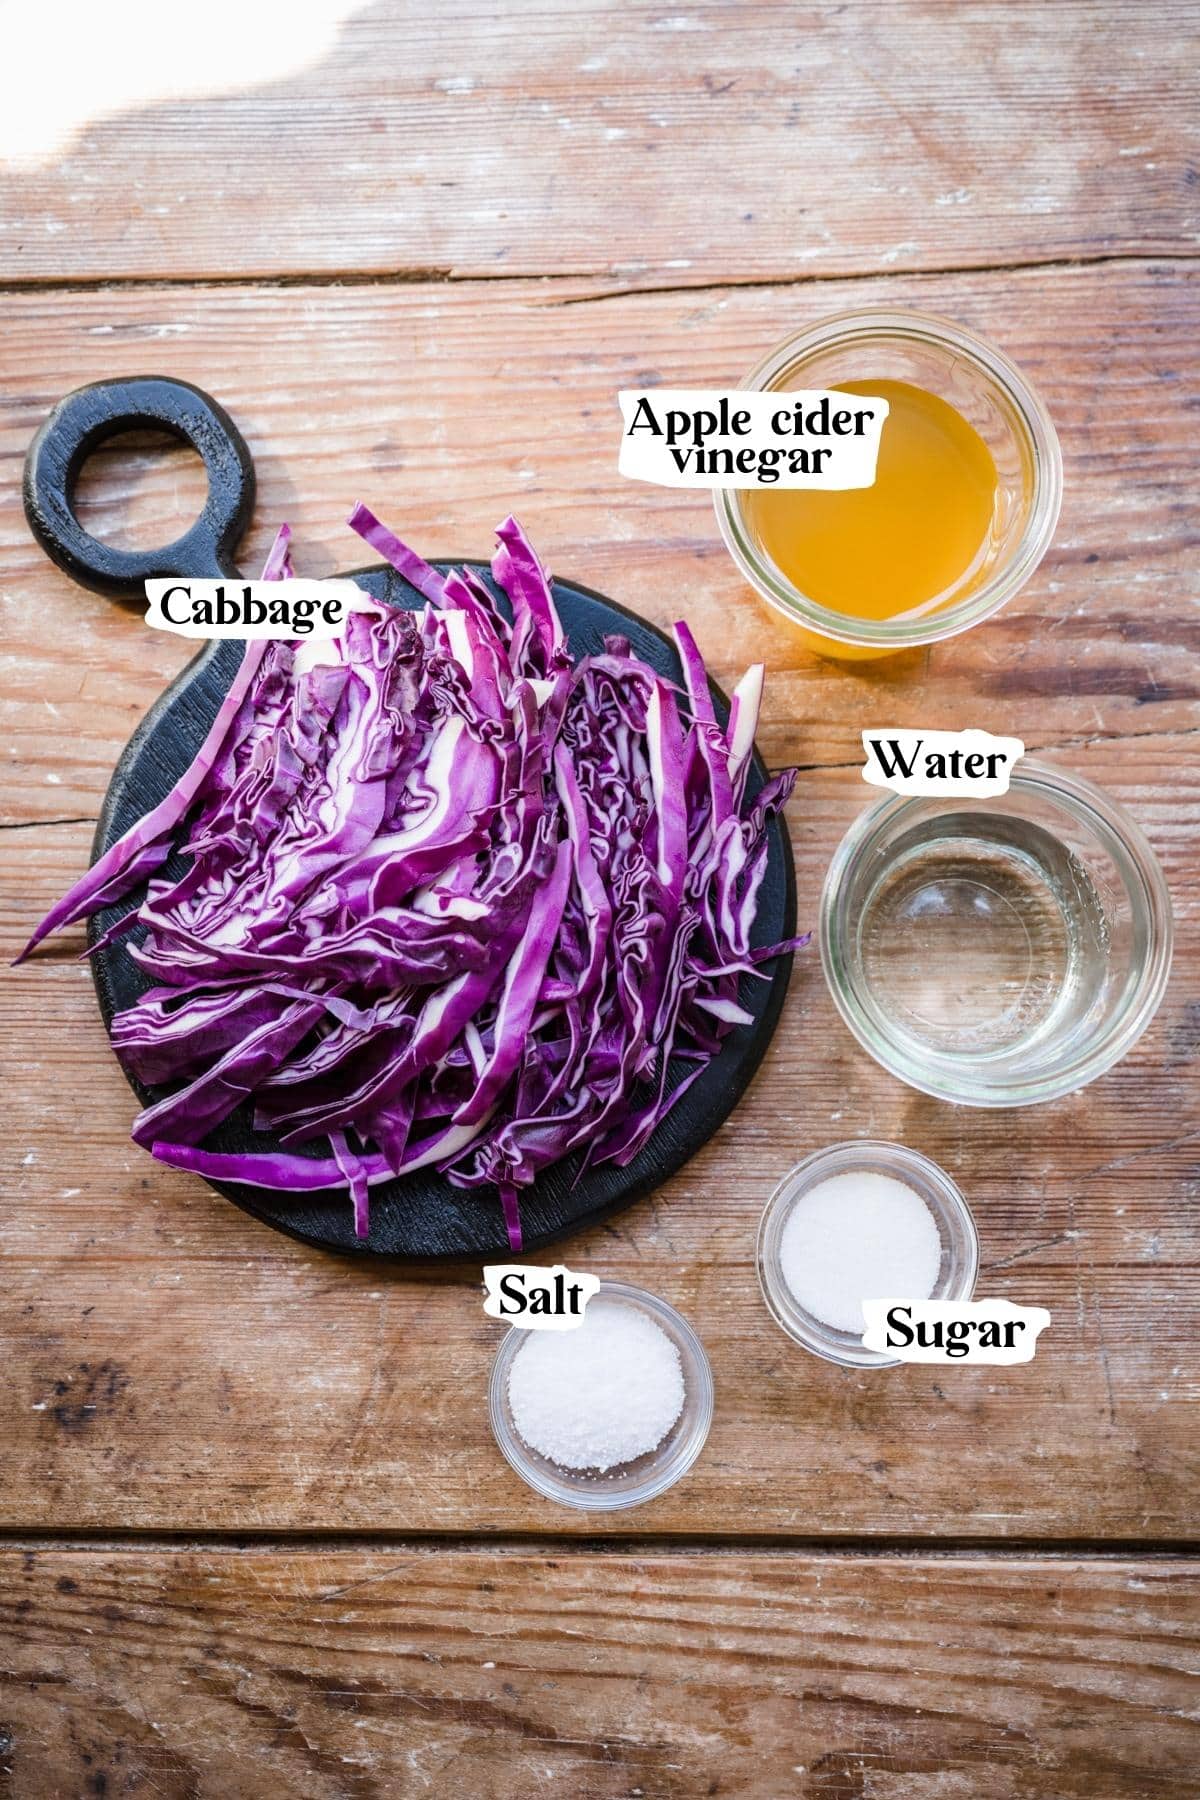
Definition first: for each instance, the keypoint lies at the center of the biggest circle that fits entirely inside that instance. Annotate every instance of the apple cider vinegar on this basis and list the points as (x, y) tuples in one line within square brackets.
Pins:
[(896, 549)]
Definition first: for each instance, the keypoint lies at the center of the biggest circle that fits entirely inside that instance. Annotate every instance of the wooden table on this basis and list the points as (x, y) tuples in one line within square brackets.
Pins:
[(257, 1540)]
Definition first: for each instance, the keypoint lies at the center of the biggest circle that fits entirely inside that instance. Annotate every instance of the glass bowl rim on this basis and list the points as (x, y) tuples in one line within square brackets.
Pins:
[(656, 1480), (803, 1327), (1046, 503), (1134, 856)]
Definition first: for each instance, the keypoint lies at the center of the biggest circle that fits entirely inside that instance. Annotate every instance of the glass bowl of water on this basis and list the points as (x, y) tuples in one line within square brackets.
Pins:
[(997, 952)]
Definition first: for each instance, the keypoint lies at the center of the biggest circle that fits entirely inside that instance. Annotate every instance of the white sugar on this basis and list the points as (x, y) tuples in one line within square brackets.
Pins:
[(600, 1395), (855, 1237)]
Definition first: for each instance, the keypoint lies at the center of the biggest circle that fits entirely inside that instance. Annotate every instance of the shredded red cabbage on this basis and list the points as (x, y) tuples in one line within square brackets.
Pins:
[(453, 898)]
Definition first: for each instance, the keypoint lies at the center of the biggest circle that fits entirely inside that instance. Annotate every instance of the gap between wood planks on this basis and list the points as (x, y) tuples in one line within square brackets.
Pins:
[(448, 276), (560, 1544), (1080, 743)]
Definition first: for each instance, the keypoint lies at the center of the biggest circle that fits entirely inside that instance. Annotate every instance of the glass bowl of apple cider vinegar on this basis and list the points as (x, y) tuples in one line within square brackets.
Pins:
[(966, 494)]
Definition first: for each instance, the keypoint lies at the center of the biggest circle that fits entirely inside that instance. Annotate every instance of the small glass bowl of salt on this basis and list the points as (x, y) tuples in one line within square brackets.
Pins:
[(609, 1413), (863, 1220)]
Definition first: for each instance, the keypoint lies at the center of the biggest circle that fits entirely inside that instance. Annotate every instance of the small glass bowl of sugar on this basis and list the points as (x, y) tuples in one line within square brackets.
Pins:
[(607, 1414), (861, 1221)]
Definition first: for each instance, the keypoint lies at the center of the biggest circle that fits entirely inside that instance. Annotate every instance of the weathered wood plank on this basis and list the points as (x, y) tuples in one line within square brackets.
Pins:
[(636, 142), (173, 1365), (446, 414), (359, 1675)]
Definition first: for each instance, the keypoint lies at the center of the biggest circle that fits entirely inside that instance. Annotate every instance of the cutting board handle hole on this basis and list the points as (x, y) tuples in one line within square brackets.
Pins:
[(139, 489)]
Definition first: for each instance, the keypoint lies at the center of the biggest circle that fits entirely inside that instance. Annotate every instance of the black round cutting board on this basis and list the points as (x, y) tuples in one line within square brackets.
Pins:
[(419, 1215)]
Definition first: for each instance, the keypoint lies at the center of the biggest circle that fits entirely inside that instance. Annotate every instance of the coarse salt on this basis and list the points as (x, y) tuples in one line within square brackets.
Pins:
[(859, 1236), (600, 1395)]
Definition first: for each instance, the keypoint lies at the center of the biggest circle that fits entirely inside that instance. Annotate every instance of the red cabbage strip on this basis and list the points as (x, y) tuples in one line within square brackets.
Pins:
[(443, 1016), (414, 568), (743, 724), (299, 1174), (474, 600), (535, 617), (390, 1127), (191, 1113), (520, 991), (710, 739), (597, 913), (117, 929), (156, 1044), (450, 901), (352, 1168), (141, 848), (664, 738), (512, 1214), (278, 566)]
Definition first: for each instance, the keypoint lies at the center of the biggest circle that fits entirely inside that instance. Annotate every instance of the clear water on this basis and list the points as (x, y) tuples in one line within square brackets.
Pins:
[(984, 936)]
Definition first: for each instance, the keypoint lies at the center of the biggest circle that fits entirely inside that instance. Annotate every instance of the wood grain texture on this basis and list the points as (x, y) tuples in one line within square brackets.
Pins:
[(642, 142), (175, 1366), (491, 183), (228, 1677), (445, 410)]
